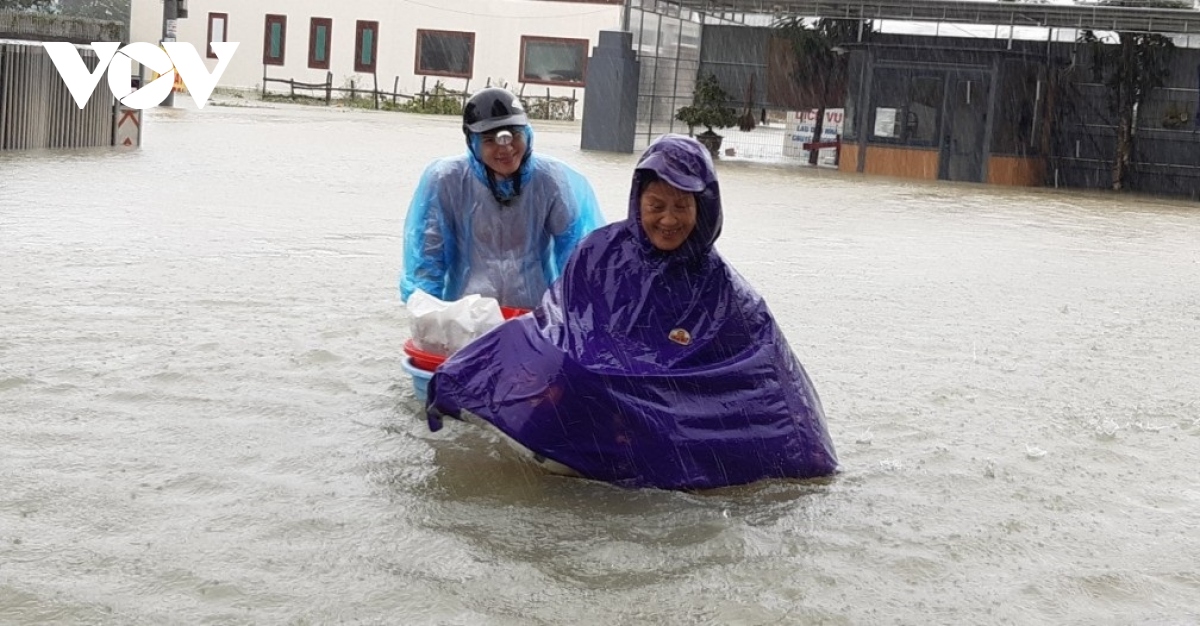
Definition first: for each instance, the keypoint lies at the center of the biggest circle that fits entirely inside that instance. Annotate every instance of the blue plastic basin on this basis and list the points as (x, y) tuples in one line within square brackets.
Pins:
[(420, 380)]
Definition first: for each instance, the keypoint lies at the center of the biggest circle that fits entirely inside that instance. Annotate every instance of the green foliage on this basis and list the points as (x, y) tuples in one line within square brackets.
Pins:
[(1131, 69), (710, 106), (438, 101), (821, 65), (27, 5), (116, 10), (1138, 64), (1176, 116)]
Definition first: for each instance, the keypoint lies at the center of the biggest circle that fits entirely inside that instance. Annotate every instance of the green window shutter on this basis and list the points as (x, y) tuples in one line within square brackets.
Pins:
[(368, 38), (276, 39), (321, 43)]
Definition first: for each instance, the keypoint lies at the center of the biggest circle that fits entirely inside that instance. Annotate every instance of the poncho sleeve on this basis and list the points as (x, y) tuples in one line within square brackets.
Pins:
[(427, 239), (571, 222)]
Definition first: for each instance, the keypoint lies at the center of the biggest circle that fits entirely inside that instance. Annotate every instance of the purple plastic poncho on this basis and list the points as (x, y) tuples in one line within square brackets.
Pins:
[(646, 368)]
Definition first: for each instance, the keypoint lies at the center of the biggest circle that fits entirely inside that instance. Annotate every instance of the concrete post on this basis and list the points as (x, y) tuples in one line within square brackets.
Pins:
[(169, 25), (610, 100)]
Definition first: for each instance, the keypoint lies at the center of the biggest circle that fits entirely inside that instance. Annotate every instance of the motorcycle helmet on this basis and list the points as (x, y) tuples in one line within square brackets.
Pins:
[(492, 108)]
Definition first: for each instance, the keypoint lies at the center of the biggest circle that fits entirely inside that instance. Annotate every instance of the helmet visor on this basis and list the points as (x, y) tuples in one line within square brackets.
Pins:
[(483, 126)]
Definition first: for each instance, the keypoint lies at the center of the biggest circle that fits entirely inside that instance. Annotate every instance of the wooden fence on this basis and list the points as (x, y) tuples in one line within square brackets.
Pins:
[(547, 107)]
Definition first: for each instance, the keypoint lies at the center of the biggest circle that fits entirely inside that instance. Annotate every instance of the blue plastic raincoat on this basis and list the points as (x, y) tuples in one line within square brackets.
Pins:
[(646, 368), (463, 236)]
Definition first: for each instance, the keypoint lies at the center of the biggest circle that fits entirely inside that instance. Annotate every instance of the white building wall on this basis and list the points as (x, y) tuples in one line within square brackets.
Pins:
[(498, 26)]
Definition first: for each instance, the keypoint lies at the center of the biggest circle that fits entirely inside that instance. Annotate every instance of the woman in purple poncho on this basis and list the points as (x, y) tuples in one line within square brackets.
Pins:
[(650, 362)]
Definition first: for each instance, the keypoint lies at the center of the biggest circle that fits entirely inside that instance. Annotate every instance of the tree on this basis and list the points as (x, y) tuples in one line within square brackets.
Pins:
[(710, 107), (26, 5), (1132, 68), (821, 66), (115, 10)]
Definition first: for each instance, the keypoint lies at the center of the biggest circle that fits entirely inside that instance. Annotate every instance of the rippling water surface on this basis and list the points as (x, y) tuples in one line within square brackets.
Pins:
[(204, 419)]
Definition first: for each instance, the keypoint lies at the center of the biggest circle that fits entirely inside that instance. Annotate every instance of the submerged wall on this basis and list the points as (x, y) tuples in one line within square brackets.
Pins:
[(36, 108)]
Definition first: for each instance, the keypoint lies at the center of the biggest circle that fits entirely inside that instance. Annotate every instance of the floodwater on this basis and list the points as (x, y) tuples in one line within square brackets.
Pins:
[(204, 418)]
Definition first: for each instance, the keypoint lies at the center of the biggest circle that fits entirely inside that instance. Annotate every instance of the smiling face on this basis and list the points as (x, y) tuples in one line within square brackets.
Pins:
[(503, 159), (668, 215)]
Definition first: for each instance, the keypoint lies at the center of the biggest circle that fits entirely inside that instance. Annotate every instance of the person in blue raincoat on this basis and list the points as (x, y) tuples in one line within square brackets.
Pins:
[(499, 221), (650, 362)]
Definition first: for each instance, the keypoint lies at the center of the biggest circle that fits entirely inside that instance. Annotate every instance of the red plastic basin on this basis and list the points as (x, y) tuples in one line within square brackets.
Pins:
[(421, 359), (429, 361)]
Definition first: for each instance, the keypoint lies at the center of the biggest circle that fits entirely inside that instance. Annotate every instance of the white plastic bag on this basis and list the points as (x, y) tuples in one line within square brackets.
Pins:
[(441, 327)]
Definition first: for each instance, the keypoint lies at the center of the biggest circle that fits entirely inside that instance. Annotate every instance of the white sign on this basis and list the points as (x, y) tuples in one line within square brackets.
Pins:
[(166, 61), (800, 127), (128, 128)]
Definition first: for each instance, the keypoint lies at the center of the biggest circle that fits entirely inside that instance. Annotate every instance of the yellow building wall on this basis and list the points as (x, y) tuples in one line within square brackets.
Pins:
[(920, 163), (1016, 171), (848, 157)]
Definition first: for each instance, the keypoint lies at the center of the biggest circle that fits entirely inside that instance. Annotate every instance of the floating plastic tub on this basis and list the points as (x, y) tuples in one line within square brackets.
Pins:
[(421, 359), (510, 312), (420, 364), (420, 380)]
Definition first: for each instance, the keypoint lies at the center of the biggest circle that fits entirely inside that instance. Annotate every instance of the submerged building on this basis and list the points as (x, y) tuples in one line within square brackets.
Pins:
[(539, 46), (990, 92)]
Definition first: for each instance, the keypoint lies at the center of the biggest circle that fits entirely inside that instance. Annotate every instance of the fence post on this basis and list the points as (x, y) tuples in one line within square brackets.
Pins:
[(328, 88), (573, 100), (375, 89), (292, 88), (423, 92), (395, 90), (353, 94), (264, 83)]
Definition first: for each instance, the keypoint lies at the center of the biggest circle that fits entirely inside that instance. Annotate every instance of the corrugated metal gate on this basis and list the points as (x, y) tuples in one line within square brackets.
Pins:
[(37, 110)]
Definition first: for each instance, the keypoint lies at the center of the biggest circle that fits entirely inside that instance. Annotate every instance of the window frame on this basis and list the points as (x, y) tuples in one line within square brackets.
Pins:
[(469, 36), (212, 17), (270, 20), (909, 76), (360, 27), (313, 24), (584, 44)]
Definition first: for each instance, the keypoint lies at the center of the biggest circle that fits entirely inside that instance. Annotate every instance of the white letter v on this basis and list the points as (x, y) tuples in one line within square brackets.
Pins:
[(74, 72)]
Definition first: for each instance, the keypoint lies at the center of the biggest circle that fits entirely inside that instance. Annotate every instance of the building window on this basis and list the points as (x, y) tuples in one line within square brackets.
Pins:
[(445, 53), (218, 30), (366, 44), (553, 61), (906, 107), (924, 109), (274, 38), (320, 31)]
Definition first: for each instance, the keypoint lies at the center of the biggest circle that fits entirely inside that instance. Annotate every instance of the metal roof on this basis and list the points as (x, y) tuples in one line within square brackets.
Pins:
[(1094, 17)]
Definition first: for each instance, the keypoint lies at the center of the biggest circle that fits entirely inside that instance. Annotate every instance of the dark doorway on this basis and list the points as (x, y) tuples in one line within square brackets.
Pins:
[(965, 127)]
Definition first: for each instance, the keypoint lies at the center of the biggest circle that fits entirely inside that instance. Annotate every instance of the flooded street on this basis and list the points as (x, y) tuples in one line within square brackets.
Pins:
[(204, 418)]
